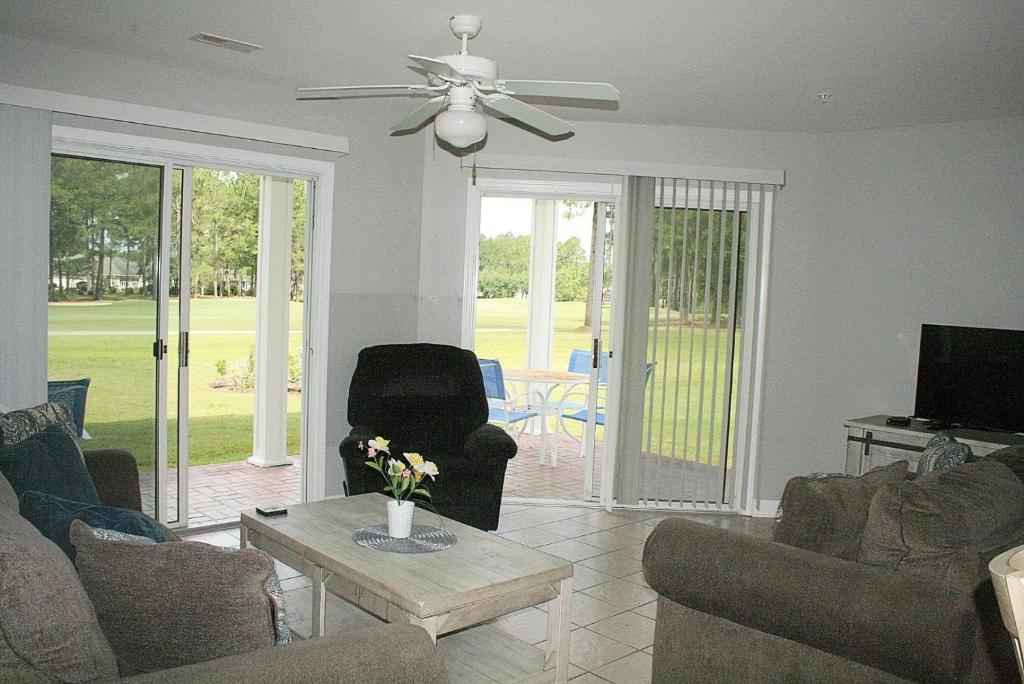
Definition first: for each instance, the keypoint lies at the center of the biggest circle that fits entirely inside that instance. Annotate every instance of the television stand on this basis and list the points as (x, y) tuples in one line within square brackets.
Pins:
[(870, 442)]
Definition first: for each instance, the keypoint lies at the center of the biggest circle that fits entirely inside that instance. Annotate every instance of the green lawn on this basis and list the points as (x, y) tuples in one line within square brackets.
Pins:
[(121, 398), (120, 407), (501, 334)]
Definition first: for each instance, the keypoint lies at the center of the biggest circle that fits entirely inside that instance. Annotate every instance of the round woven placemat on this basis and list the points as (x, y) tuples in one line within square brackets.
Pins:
[(424, 539)]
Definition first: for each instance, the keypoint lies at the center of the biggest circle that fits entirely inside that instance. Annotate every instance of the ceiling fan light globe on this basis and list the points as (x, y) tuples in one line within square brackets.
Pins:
[(460, 128)]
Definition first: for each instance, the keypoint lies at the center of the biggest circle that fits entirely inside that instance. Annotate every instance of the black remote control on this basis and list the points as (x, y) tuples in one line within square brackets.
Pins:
[(272, 510), (902, 421)]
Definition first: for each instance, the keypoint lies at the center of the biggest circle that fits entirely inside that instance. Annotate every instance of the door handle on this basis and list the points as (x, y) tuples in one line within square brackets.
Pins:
[(183, 349), (595, 359)]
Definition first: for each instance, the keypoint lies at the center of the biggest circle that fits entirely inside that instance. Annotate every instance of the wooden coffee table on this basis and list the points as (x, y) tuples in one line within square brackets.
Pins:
[(481, 577)]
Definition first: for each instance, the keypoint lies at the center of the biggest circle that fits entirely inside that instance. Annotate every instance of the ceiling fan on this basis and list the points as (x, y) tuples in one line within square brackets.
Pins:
[(463, 84)]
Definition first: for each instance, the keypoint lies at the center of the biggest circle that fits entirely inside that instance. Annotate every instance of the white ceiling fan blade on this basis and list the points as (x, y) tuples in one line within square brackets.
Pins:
[(421, 115), (527, 114), (577, 90), (437, 67), (319, 89)]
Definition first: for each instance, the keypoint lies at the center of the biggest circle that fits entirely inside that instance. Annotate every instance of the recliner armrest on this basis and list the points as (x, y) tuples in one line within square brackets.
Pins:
[(116, 476), (490, 441), (902, 623), (352, 656)]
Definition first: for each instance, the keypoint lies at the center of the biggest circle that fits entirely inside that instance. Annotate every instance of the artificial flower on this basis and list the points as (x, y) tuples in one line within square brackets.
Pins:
[(426, 468), (378, 443), (396, 467)]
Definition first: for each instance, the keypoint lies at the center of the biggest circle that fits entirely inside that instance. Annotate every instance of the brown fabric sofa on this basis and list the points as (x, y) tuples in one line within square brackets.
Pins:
[(740, 609), (52, 635)]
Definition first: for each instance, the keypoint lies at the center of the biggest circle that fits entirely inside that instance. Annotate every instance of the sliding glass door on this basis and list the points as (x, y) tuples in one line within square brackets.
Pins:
[(105, 349)]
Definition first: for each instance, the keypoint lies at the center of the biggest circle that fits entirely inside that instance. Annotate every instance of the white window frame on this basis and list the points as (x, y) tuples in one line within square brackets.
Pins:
[(87, 142)]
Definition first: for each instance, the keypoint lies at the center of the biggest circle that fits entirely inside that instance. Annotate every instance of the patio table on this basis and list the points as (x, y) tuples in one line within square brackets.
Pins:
[(551, 379)]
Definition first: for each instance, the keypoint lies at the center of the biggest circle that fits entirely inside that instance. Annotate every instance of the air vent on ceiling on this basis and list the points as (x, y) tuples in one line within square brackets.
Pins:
[(226, 43)]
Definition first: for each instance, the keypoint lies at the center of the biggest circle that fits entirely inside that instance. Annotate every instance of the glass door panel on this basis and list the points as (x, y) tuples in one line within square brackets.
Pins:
[(103, 312)]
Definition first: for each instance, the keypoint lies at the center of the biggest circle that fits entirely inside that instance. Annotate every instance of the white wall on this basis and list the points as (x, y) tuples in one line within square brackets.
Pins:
[(875, 232), (24, 214)]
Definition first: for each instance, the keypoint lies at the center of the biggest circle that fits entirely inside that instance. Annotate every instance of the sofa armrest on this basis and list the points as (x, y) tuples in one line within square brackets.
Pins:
[(360, 655), (907, 624), (116, 476)]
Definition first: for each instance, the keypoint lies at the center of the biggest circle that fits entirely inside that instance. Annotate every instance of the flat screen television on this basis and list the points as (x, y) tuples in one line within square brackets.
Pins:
[(971, 377)]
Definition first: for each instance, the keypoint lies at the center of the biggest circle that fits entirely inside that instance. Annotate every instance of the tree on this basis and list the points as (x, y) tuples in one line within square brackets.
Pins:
[(298, 274), (100, 209), (572, 208), (504, 266)]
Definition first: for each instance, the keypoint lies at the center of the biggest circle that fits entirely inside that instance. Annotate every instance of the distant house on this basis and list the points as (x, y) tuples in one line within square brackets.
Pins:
[(120, 274)]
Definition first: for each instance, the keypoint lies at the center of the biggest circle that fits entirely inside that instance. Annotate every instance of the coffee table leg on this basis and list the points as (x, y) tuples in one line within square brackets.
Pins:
[(243, 537), (429, 624), (319, 621), (556, 649)]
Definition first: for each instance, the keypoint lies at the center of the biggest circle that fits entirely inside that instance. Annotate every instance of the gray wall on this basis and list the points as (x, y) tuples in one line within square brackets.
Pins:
[(875, 232), (24, 234)]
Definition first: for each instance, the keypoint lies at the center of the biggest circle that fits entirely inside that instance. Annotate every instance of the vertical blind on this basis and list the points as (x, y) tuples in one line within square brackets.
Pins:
[(693, 253)]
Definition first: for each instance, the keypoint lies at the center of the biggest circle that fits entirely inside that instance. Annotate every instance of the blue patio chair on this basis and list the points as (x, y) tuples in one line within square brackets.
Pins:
[(582, 415), (502, 409), (72, 395), (579, 362)]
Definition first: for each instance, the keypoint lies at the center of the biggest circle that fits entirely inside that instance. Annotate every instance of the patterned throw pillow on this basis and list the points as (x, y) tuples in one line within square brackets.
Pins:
[(943, 451), (17, 426)]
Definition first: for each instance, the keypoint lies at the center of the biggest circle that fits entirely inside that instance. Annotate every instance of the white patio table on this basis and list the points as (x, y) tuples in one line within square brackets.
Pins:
[(550, 379)]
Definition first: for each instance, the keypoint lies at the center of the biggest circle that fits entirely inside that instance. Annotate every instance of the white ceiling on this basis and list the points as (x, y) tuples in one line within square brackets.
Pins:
[(720, 63)]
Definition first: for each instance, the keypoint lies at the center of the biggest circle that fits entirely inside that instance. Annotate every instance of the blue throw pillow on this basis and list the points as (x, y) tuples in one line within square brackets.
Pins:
[(49, 461), (53, 516)]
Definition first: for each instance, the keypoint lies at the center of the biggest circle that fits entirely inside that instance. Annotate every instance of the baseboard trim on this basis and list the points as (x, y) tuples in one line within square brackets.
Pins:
[(766, 508)]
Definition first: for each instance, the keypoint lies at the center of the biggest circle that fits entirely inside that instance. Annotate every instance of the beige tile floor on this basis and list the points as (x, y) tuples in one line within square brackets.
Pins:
[(613, 608)]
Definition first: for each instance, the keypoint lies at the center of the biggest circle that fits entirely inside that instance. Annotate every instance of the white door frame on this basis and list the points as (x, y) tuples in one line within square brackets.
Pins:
[(607, 193), (142, 149)]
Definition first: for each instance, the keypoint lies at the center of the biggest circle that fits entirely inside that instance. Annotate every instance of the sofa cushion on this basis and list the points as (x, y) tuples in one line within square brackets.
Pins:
[(48, 627), (53, 516), (48, 461), (948, 522), (19, 425), (172, 604), (826, 514), (943, 451), (1012, 457)]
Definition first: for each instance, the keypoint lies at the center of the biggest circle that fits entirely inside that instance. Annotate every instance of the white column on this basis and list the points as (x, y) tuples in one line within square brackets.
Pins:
[(273, 273), (540, 317)]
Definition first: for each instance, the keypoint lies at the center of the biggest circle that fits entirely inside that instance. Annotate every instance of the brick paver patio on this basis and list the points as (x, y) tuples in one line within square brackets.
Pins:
[(218, 493)]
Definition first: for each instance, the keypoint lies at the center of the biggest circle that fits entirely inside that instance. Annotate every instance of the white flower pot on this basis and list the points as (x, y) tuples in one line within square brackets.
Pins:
[(400, 518)]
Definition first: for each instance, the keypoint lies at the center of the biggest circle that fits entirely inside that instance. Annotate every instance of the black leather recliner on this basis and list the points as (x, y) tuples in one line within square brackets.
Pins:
[(429, 398)]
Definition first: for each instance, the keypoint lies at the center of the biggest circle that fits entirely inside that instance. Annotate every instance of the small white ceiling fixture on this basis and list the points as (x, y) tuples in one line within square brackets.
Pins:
[(463, 84), (226, 43), (824, 97)]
